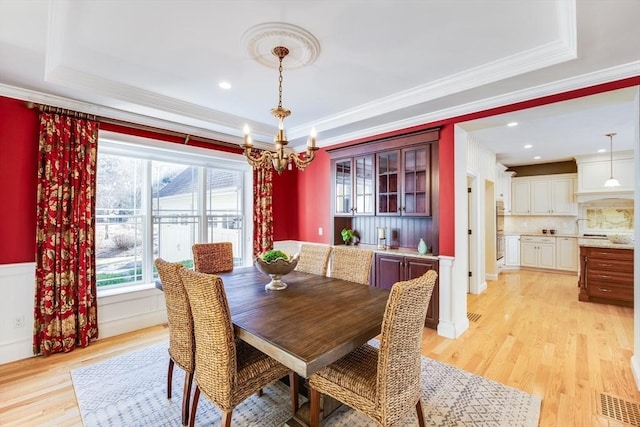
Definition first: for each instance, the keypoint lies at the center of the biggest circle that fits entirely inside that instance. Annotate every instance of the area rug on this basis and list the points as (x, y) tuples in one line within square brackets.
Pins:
[(130, 390)]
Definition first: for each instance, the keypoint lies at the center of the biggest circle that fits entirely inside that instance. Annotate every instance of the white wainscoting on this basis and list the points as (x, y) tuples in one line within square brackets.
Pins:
[(117, 313)]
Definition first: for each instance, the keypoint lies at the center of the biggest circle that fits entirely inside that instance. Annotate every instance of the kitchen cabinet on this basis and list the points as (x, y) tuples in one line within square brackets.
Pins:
[(567, 255), (390, 269), (606, 275), (503, 187), (544, 195), (520, 197), (538, 252), (403, 182), (512, 251), (354, 186)]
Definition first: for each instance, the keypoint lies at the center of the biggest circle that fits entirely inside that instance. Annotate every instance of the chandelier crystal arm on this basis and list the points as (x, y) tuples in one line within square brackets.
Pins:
[(279, 158)]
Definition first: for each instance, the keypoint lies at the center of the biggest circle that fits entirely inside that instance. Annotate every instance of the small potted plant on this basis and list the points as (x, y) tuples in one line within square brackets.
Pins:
[(347, 235)]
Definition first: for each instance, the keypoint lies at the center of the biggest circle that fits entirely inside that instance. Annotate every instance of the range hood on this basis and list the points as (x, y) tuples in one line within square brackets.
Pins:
[(594, 170), (586, 197)]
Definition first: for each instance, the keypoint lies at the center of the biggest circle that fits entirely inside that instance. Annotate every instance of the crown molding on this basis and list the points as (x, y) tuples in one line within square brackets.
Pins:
[(563, 49), (577, 82)]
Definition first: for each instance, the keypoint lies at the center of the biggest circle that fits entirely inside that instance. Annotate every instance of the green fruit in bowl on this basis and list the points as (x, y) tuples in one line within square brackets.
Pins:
[(274, 254)]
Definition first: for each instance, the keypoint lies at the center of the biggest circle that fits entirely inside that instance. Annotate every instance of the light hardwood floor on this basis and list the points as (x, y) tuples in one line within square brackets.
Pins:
[(531, 333)]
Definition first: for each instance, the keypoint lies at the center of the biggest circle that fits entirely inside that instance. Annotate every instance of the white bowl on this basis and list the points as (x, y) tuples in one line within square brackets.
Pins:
[(619, 238)]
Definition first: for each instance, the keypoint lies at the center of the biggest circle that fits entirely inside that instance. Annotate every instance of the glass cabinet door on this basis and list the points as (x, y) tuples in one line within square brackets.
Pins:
[(364, 186), (388, 185), (343, 183), (417, 186)]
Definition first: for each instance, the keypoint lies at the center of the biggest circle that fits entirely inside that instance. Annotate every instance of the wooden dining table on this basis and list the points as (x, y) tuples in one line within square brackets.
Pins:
[(312, 323)]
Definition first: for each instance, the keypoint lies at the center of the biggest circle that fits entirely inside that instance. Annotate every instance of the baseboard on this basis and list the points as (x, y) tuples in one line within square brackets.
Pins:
[(452, 329), (16, 350), (635, 369), (130, 324)]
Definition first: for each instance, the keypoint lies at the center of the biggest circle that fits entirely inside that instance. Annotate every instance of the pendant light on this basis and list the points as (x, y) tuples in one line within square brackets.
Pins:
[(611, 182)]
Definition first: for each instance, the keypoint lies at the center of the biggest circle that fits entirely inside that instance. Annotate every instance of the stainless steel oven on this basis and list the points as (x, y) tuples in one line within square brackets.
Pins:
[(500, 230)]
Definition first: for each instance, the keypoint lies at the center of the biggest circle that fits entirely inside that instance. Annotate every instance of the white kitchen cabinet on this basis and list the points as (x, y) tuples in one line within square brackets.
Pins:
[(538, 252), (512, 251), (520, 197), (567, 253), (544, 195)]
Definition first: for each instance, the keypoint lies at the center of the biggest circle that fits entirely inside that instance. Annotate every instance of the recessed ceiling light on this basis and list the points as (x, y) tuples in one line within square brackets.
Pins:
[(512, 124), (224, 85), (602, 150), (528, 146), (536, 158)]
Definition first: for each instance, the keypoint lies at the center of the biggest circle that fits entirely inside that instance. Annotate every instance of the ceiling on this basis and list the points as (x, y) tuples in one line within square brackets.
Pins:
[(374, 66)]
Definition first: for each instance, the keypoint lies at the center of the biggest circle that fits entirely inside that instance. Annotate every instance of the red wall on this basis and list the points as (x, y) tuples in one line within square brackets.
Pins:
[(19, 130), (301, 199)]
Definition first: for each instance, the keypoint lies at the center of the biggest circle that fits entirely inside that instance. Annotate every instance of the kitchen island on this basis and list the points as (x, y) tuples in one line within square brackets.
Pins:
[(606, 272)]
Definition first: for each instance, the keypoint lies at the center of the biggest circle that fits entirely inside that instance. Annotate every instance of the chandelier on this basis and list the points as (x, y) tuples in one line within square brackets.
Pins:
[(611, 182), (279, 158)]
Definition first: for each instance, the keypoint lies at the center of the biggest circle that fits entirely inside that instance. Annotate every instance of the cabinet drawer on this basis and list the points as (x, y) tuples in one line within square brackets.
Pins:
[(603, 289), (537, 239), (604, 253), (605, 264), (613, 278)]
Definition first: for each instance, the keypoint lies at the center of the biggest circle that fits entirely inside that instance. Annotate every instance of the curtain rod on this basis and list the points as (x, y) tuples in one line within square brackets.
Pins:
[(57, 110), (187, 137)]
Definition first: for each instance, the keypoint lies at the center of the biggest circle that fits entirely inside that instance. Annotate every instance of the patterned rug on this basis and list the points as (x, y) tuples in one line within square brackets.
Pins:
[(130, 390)]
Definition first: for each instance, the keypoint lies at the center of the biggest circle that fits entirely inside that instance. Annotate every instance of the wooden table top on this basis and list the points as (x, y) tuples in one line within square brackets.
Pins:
[(312, 323)]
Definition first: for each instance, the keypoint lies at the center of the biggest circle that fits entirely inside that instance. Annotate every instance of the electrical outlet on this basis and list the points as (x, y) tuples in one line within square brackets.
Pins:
[(18, 322), (319, 231)]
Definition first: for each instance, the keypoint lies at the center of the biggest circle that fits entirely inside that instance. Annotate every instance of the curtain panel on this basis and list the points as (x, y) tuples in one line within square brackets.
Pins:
[(65, 311), (262, 209)]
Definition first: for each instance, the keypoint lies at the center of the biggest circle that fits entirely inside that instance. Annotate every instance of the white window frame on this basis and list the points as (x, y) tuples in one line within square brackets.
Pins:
[(150, 149)]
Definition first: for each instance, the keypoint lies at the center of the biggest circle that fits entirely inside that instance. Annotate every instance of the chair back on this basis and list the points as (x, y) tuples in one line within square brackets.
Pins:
[(353, 264), (181, 338), (399, 371), (212, 258), (313, 259), (216, 365)]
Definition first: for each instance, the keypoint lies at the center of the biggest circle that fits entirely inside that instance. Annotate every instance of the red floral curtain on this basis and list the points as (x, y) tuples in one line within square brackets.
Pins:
[(65, 312), (262, 209)]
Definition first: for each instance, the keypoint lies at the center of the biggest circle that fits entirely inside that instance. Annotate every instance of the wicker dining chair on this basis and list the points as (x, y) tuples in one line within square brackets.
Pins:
[(181, 338), (212, 258), (313, 259), (349, 263), (228, 370), (384, 383)]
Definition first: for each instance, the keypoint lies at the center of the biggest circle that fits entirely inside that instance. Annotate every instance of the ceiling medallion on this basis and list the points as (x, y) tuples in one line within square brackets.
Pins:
[(259, 41)]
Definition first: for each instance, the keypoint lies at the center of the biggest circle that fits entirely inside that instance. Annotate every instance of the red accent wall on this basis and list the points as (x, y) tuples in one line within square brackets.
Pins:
[(285, 205), (19, 128), (314, 208)]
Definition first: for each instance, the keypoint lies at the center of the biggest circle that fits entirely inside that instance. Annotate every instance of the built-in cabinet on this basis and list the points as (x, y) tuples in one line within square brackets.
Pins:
[(390, 269), (503, 187), (567, 256), (512, 251), (606, 275), (390, 184), (544, 195), (538, 252), (404, 182), (354, 186)]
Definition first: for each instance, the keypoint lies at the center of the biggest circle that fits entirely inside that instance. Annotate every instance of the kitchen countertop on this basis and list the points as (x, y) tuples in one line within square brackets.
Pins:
[(603, 243), (396, 251), (593, 241)]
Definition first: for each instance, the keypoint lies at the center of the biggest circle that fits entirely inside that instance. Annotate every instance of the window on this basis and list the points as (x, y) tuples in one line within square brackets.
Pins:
[(157, 199)]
